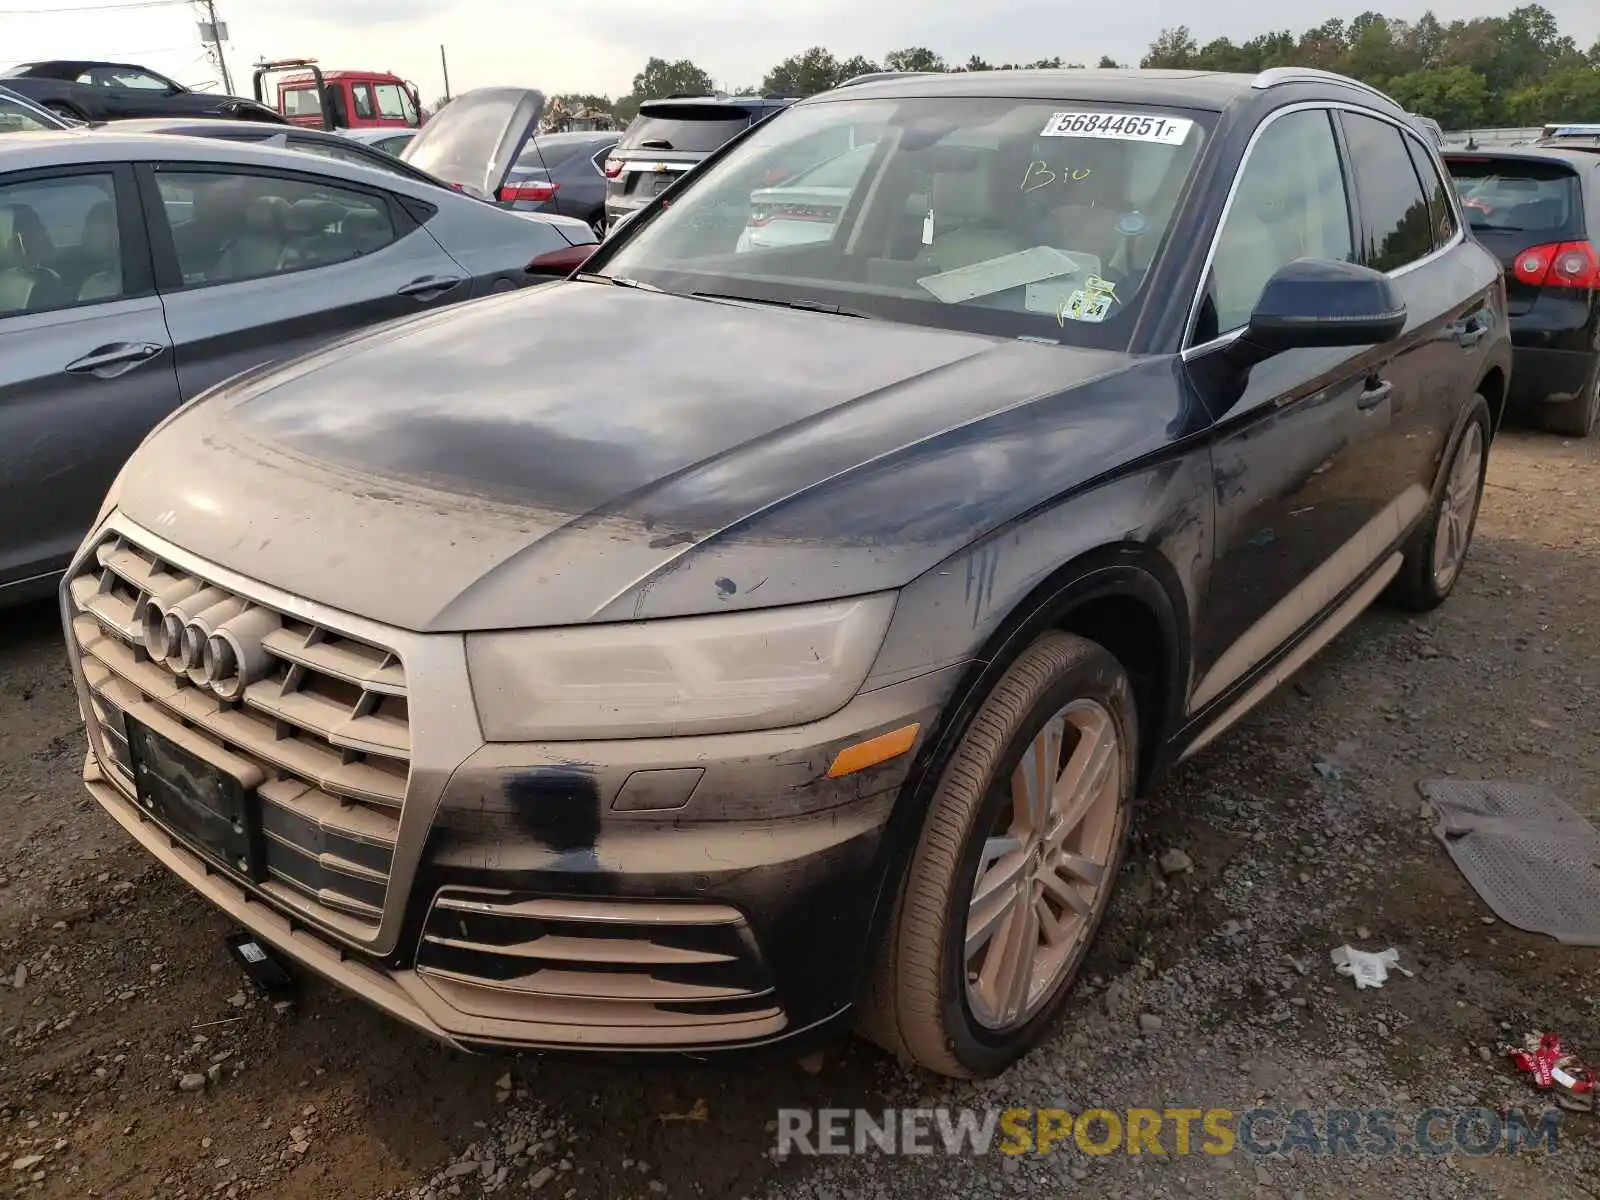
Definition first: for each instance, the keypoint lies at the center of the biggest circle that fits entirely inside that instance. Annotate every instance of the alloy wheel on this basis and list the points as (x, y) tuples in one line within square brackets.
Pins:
[(1458, 509), (1042, 875)]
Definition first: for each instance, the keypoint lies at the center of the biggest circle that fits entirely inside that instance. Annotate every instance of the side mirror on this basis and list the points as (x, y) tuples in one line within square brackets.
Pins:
[(1311, 303)]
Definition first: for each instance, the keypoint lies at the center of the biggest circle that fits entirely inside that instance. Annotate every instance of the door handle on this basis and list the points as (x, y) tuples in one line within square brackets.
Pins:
[(1377, 391), (108, 362), (1468, 333), (429, 286)]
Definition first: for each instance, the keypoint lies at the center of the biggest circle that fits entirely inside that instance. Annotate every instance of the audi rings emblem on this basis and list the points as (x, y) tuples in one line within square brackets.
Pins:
[(211, 637)]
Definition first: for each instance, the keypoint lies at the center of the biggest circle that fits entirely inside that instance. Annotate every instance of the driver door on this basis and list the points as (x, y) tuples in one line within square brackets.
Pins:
[(1303, 498)]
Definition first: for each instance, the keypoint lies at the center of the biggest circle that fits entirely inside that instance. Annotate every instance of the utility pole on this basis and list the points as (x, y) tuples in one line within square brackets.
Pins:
[(213, 33), (444, 66)]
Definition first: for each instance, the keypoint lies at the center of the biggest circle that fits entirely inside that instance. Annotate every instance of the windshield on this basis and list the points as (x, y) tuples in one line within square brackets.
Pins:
[(15, 118), (1012, 217)]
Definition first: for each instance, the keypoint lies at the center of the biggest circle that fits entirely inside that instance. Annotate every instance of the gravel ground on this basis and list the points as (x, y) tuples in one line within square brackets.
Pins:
[(135, 1062)]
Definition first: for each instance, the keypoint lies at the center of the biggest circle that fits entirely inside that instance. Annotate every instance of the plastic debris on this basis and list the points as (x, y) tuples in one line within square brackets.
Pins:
[(1369, 970), (1554, 1069), (700, 1111)]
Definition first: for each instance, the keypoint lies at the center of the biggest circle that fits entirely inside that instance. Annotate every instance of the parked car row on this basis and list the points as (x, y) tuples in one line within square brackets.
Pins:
[(144, 261), (1537, 209), (102, 91), (974, 447)]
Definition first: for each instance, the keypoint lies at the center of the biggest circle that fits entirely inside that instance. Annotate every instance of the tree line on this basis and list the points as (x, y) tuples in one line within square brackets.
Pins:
[(1519, 69), (805, 74)]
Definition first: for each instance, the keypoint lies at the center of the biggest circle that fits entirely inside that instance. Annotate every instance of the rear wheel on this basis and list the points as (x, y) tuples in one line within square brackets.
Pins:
[(1578, 416), (1015, 866), (1438, 549)]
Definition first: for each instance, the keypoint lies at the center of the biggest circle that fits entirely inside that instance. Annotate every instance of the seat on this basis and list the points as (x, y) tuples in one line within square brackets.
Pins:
[(966, 229), (259, 249), (313, 237), (100, 254), (27, 282), (1247, 256), (365, 230)]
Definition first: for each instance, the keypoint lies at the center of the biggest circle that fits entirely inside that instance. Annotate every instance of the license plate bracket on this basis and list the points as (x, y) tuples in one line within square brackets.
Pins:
[(204, 805)]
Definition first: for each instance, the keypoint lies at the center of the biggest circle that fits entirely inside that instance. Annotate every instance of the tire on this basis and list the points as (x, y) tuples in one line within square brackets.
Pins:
[(1422, 585), (1578, 416), (924, 1004)]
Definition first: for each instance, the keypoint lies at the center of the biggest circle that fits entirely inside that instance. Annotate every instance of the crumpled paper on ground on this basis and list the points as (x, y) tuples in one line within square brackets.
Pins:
[(1368, 969)]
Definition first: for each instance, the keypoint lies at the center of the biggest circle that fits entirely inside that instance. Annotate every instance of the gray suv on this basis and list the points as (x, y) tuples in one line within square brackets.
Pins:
[(670, 136)]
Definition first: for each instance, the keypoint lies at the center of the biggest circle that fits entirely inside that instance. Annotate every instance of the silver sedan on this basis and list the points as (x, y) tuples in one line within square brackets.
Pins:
[(136, 271)]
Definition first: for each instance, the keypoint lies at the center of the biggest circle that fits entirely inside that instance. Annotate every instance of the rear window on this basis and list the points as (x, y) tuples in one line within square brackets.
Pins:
[(544, 152), (688, 129), (1530, 196), (301, 102)]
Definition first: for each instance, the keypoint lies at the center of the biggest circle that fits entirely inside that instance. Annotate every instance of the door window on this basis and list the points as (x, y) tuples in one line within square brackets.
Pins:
[(363, 101), (1440, 214), (59, 244), (1290, 203), (227, 227), (353, 154), (394, 104), (1394, 210), (125, 77)]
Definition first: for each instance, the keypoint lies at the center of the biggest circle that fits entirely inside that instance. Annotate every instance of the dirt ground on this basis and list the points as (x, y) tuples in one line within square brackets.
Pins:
[(1210, 986)]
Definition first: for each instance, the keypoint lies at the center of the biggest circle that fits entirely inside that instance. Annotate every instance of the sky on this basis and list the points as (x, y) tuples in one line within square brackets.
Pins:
[(592, 46)]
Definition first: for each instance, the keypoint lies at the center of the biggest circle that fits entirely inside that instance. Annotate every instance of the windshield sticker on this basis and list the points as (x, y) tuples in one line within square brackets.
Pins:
[(1092, 304), (1085, 306), (1041, 175), (1125, 127)]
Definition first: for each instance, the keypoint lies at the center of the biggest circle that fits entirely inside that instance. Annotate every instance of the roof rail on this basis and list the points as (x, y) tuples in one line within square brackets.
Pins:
[(875, 76), (1278, 76)]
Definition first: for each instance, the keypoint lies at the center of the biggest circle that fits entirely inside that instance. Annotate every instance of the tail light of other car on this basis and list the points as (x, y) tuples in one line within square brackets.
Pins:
[(1559, 264), (613, 167), (563, 261), (533, 191)]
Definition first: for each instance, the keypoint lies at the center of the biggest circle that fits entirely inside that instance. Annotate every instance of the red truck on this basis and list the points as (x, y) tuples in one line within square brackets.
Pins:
[(340, 99)]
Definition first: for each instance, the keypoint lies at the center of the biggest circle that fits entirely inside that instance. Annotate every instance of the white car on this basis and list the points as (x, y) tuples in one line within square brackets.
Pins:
[(804, 209)]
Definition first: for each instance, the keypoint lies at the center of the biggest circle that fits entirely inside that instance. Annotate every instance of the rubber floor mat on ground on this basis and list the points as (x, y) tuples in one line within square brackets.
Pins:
[(1534, 861)]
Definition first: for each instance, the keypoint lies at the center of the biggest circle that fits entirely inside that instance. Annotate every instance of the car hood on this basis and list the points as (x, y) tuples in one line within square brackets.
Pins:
[(579, 452)]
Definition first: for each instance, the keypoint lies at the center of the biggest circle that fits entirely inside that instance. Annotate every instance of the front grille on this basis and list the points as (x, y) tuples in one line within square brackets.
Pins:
[(318, 718), (619, 971)]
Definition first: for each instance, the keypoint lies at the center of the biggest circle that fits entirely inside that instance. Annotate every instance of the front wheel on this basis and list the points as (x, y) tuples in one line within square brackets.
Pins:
[(1015, 865)]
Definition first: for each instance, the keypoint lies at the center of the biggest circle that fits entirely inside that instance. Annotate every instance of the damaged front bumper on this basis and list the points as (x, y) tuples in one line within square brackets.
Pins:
[(657, 895)]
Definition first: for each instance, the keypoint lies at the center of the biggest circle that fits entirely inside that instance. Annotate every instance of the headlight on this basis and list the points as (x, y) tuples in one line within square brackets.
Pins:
[(717, 674)]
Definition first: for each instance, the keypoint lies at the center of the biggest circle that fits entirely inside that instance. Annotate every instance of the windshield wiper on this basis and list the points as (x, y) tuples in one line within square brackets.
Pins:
[(655, 144), (615, 281), (803, 305)]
